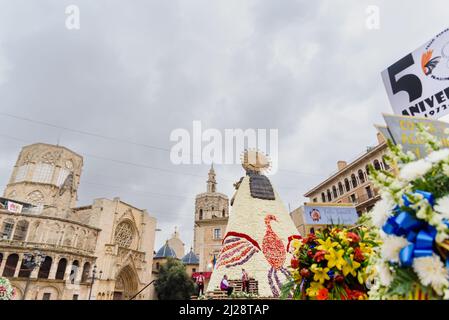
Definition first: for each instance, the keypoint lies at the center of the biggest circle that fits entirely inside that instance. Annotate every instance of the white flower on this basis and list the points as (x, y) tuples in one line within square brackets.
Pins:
[(414, 170), (431, 271), (446, 294), (391, 247), (438, 156), (385, 275), (381, 212), (442, 206)]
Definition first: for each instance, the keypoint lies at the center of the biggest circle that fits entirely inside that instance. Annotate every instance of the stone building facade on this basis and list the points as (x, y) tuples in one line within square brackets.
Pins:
[(211, 219), (350, 184), (110, 236)]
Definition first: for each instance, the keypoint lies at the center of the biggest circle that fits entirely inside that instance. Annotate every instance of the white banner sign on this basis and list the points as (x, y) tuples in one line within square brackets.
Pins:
[(418, 84), (14, 207)]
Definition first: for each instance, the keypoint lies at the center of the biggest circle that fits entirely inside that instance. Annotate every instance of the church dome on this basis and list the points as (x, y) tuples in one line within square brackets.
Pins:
[(190, 258), (165, 252)]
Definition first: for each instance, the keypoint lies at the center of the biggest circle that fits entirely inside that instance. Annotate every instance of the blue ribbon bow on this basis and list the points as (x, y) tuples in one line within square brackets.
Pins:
[(419, 233)]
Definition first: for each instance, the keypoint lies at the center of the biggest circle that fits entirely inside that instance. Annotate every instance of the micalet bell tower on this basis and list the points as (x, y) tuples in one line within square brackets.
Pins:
[(211, 219)]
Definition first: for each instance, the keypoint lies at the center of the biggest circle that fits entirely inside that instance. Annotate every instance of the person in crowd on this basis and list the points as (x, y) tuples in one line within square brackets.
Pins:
[(245, 281), (224, 285), (200, 284)]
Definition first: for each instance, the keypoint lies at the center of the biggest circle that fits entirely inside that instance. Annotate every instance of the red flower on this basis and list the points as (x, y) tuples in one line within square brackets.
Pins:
[(339, 278), (323, 294), (310, 238), (358, 255), (356, 294), (353, 237), (310, 253), (319, 256), (305, 273), (353, 294), (294, 263)]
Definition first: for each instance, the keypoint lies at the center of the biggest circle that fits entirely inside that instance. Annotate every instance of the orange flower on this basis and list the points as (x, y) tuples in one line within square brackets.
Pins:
[(323, 294)]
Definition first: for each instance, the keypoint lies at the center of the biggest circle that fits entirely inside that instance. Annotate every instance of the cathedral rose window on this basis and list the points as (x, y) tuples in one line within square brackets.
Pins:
[(124, 234)]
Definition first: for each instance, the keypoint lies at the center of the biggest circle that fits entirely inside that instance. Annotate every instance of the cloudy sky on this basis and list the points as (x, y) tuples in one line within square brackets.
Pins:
[(116, 88)]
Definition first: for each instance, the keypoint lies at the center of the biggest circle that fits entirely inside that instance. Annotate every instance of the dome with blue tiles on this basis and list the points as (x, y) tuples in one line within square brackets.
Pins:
[(190, 258), (165, 252)]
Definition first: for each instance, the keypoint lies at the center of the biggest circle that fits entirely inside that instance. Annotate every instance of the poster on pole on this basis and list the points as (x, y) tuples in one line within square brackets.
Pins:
[(403, 130), (418, 84), (329, 215)]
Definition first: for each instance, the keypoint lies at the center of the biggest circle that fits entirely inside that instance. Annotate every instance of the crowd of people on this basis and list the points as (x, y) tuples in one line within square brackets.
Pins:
[(224, 285)]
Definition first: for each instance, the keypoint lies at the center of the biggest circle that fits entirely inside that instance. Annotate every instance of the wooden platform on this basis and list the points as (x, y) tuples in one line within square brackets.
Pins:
[(238, 286)]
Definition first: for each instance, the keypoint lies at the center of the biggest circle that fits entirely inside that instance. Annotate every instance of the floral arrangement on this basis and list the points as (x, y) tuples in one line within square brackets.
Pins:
[(243, 295), (331, 264), (413, 216), (7, 291)]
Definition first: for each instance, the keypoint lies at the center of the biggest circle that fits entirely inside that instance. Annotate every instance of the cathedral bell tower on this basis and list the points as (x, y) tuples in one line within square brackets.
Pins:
[(211, 219)]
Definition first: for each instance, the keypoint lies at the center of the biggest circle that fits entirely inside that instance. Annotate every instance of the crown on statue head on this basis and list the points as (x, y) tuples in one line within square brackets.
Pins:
[(255, 160)]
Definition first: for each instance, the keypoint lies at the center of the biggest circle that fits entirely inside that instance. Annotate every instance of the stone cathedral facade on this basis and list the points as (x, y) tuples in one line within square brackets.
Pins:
[(38, 212)]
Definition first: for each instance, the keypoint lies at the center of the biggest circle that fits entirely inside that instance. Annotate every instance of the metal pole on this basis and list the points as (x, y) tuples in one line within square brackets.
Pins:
[(94, 271), (141, 290), (26, 286)]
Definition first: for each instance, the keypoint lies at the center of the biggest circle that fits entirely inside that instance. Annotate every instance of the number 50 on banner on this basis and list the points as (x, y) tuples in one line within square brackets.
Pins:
[(418, 84)]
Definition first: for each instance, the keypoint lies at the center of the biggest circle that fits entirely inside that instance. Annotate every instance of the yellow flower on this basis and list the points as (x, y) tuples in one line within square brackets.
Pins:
[(366, 248), (320, 274), (296, 244), (335, 258), (362, 276), (326, 245), (350, 267), (312, 291)]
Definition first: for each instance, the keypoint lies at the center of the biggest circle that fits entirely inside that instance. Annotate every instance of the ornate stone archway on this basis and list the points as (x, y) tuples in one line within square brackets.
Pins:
[(126, 284)]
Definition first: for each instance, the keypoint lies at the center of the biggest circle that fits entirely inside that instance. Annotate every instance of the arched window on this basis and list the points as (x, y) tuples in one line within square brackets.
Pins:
[(44, 270), (361, 176), (60, 272), (323, 197), (386, 166), (21, 230), (334, 192), (329, 196), (367, 170), (8, 227), (223, 213), (21, 173), (201, 214), (11, 265), (1, 258), (24, 271), (376, 164), (74, 271), (124, 234), (43, 173), (157, 265), (86, 271), (347, 186), (340, 188), (353, 180)]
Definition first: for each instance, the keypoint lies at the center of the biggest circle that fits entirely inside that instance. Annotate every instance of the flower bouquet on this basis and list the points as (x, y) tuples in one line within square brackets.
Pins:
[(413, 216), (331, 264), (7, 291)]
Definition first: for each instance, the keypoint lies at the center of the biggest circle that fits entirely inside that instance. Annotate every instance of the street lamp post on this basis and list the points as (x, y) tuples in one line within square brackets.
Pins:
[(94, 273), (31, 261)]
